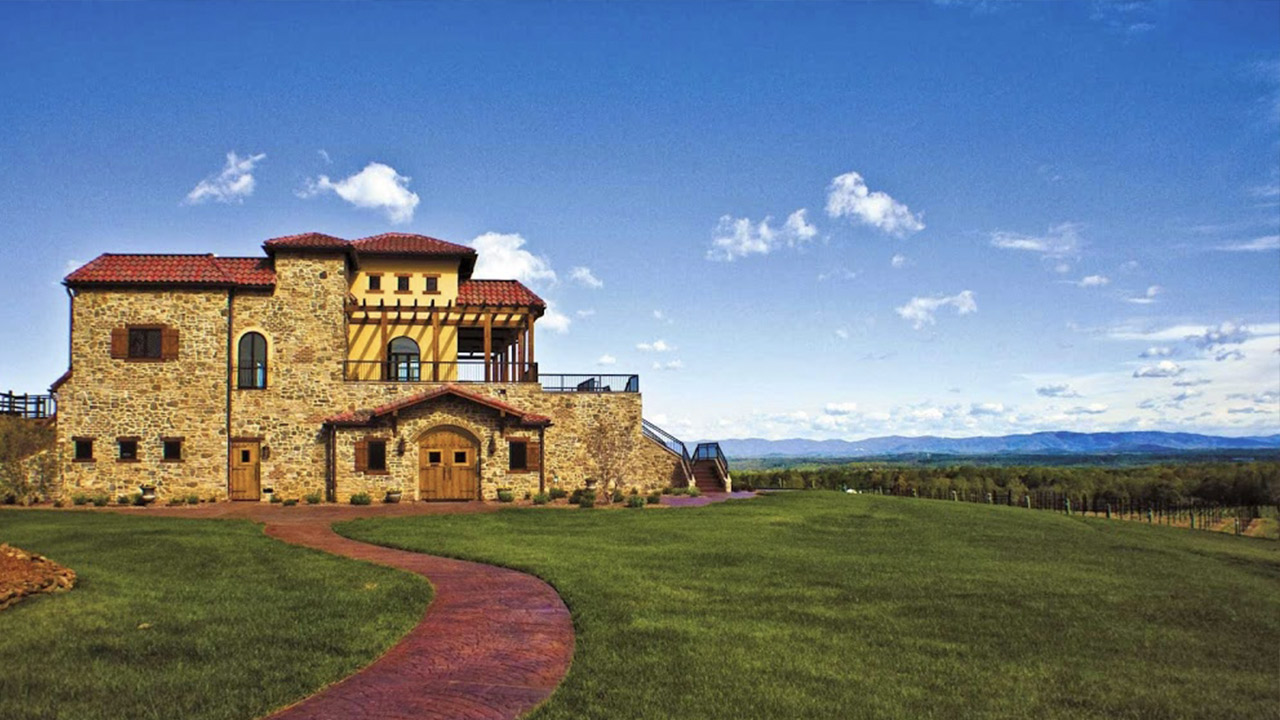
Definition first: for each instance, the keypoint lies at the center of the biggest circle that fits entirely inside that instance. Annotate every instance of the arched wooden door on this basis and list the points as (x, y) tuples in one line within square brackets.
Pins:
[(448, 465)]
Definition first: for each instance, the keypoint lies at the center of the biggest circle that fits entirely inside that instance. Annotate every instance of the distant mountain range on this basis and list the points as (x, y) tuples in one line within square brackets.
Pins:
[(1042, 443)]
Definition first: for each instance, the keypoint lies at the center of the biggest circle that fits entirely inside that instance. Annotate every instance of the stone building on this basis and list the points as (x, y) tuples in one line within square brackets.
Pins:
[(336, 367)]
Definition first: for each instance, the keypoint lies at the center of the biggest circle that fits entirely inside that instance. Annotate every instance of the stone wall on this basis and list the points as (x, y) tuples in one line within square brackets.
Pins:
[(108, 398)]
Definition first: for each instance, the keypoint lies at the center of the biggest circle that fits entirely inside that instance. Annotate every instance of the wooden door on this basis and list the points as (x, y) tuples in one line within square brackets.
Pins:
[(448, 466), (246, 471)]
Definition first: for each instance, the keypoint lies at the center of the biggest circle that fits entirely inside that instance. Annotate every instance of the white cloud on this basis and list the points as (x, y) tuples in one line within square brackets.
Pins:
[(849, 197), (1094, 281), (1149, 297), (920, 310), (376, 187), (1062, 240), (324, 156), (501, 256), (232, 184), (1191, 383), (554, 320), (1061, 391), (986, 409), (899, 261), (1228, 355), (671, 365), (740, 237), (655, 346), (1260, 244), (1162, 369), (838, 273), (585, 313), (607, 360), (662, 317), (1090, 409), (1226, 333), (842, 333), (844, 408), (1156, 351), (586, 277)]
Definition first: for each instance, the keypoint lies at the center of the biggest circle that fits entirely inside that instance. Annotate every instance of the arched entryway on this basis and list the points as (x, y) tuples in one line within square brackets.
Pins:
[(448, 464)]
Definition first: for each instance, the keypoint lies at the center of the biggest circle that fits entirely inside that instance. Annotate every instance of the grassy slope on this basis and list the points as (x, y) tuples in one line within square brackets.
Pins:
[(825, 605), (240, 624)]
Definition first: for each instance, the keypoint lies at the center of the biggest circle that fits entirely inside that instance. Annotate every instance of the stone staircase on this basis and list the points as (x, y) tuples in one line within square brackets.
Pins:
[(706, 469)]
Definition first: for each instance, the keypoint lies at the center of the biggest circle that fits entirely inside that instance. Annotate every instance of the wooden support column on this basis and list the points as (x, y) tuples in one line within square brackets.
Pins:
[(533, 359), (435, 343), (382, 327), (522, 345), (488, 347)]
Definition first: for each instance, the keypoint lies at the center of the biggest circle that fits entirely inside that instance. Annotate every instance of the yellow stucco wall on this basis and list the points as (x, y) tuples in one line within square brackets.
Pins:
[(365, 343), (418, 270)]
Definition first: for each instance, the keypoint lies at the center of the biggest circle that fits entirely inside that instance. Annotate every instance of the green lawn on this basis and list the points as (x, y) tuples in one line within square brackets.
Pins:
[(239, 624), (826, 605)]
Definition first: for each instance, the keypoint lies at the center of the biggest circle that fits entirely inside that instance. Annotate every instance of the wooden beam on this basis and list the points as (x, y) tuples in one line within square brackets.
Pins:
[(435, 343), (488, 348), (532, 358)]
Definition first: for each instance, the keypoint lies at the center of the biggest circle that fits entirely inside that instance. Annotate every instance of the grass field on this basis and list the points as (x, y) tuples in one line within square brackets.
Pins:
[(824, 605), (188, 619)]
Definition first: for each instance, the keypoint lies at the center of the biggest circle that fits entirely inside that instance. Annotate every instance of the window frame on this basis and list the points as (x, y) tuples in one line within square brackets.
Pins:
[(377, 442), (404, 283), (120, 445), (373, 279), (165, 442), (75, 449), (159, 334), (523, 444), (427, 281), (254, 373)]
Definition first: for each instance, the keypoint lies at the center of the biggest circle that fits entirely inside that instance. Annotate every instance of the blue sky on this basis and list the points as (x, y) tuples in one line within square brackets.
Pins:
[(795, 220)]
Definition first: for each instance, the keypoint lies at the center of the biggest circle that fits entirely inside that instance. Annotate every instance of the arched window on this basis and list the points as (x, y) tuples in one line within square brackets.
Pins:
[(251, 367), (403, 360)]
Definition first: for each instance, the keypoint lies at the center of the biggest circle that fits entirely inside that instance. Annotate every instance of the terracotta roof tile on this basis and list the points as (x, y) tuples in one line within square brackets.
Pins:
[(150, 270), (409, 244), (306, 241), (497, 292), (363, 417), (247, 271)]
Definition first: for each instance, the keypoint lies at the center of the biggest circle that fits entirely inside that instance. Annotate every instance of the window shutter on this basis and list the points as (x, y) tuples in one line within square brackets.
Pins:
[(119, 343), (169, 343), (533, 460), (362, 455)]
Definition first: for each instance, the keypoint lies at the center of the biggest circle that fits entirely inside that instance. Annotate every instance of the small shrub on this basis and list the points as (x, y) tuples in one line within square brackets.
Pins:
[(694, 492), (575, 496), (174, 502), (677, 492), (558, 492), (528, 495), (635, 501), (654, 498), (212, 499), (312, 498), (506, 496), (668, 490), (276, 499), (79, 499), (587, 500), (291, 502), (58, 502), (101, 500), (361, 499), (635, 491), (616, 496), (540, 499), (193, 499), (123, 500), (137, 500)]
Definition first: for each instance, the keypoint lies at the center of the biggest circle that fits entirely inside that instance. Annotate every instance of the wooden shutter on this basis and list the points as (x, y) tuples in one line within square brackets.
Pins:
[(533, 456), (120, 343), (169, 343), (362, 455)]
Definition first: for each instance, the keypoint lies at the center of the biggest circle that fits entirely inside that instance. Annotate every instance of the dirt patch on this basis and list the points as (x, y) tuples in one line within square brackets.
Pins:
[(23, 573)]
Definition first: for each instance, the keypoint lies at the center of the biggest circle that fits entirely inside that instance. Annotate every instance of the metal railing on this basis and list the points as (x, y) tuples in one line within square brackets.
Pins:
[(590, 383), (32, 407), (461, 371), (672, 443), (711, 451)]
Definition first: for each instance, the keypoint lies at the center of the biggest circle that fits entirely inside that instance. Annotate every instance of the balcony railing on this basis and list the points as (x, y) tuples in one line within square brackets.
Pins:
[(460, 371), (32, 407), (590, 383)]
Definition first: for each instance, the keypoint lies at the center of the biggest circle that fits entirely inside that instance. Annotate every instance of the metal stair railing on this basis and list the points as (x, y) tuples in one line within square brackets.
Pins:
[(671, 443)]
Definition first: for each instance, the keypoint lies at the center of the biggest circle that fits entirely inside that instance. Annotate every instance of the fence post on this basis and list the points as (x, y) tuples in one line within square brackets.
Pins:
[(1108, 511), (1028, 499)]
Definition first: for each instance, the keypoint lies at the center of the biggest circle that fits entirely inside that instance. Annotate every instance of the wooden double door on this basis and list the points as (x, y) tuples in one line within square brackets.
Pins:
[(448, 465), (246, 470)]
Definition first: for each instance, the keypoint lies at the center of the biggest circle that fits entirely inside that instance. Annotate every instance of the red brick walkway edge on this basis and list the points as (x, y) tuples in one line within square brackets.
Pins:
[(493, 644)]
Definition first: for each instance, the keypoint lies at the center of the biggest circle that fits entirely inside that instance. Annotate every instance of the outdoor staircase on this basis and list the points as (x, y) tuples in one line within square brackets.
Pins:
[(706, 469)]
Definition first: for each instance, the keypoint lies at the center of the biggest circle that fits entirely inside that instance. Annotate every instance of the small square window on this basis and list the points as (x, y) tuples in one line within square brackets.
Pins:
[(402, 283), (433, 284), (245, 455), (434, 457), (128, 449), (172, 450), (84, 450), (375, 282), (144, 343), (518, 453), (378, 455), (459, 457)]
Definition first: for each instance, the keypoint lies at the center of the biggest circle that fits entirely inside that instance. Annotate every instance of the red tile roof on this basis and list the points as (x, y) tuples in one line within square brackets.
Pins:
[(497, 292), (363, 417), (248, 272), (306, 241), (408, 244), (204, 270)]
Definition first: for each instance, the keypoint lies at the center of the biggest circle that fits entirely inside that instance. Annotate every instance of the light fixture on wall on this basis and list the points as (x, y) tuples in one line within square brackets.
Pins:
[(493, 445), (400, 446), (266, 452)]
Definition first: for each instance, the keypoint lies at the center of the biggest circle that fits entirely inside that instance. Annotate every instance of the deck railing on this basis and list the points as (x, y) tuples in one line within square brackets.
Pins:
[(672, 443), (32, 407), (711, 451), (460, 371), (590, 383)]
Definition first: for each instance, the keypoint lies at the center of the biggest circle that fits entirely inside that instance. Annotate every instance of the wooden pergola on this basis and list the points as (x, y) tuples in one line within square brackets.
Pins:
[(501, 336)]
